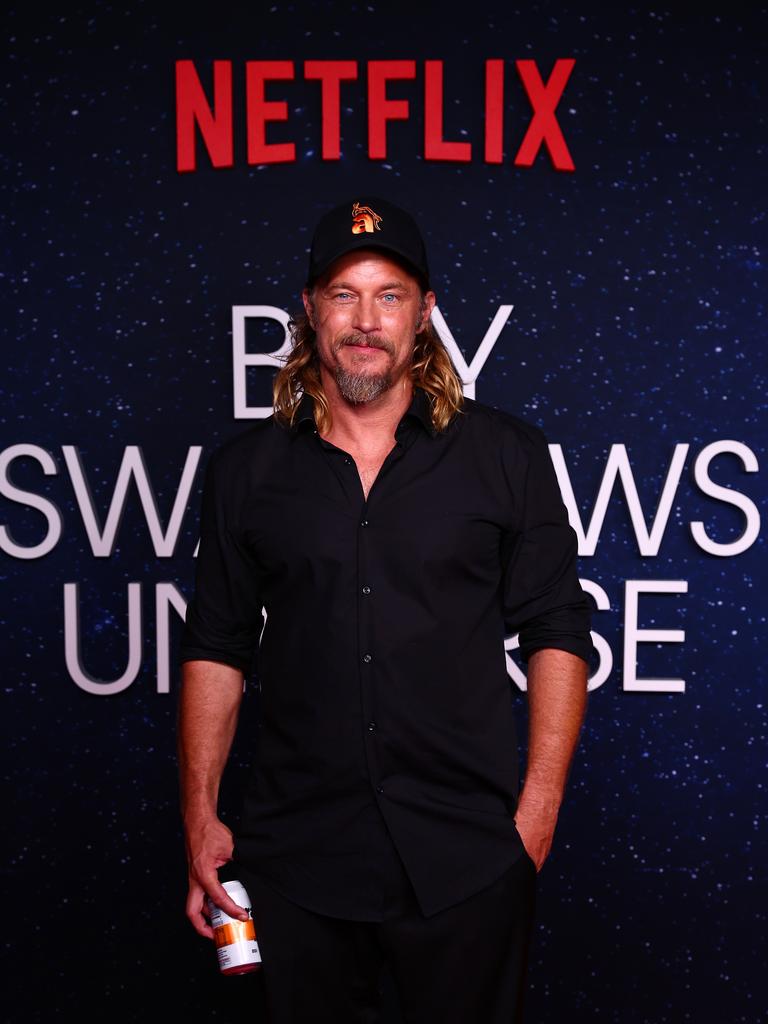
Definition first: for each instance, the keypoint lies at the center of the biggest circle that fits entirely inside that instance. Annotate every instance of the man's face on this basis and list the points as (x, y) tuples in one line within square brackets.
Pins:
[(366, 311)]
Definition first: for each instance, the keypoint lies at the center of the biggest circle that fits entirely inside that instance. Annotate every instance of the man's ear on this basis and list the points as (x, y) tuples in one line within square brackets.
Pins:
[(427, 305), (309, 309)]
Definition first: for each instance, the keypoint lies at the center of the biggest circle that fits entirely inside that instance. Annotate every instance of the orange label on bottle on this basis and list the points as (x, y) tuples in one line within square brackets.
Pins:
[(234, 931)]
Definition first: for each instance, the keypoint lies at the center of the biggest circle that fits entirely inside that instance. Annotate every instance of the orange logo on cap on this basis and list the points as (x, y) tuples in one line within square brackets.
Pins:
[(364, 220)]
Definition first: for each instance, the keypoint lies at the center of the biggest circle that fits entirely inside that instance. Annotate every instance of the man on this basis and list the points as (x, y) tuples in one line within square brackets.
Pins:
[(393, 532)]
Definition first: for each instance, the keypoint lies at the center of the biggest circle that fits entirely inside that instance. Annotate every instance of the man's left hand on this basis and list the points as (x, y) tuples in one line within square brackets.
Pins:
[(536, 827)]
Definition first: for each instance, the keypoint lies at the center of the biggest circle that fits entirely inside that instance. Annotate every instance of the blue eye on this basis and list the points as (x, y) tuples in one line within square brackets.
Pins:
[(389, 296)]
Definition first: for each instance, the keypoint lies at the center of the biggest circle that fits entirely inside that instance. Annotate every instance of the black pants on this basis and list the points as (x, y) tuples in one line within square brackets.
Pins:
[(464, 965)]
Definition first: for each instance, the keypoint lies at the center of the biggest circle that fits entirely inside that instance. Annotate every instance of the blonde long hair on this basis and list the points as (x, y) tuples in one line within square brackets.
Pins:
[(431, 370)]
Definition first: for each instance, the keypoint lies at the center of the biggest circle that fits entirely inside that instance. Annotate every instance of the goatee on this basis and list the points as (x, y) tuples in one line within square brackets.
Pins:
[(358, 388)]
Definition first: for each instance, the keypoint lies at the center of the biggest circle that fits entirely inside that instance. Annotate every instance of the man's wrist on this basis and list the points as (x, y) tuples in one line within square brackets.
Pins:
[(543, 801), (198, 816)]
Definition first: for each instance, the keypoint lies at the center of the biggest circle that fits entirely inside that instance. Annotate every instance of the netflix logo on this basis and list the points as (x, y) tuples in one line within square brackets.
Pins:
[(210, 118)]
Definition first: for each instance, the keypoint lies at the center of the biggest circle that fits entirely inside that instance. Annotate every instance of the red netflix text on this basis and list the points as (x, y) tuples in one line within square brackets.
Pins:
[(212, 121)]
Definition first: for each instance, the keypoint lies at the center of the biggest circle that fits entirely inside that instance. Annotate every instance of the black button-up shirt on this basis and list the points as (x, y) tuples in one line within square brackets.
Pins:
[(387, 710)]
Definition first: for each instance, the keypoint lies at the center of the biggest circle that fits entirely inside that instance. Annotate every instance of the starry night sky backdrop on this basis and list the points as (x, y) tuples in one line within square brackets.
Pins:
[(639, 288)]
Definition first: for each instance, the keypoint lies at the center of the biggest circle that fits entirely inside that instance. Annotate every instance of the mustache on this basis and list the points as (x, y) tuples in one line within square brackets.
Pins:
[(365, 341)]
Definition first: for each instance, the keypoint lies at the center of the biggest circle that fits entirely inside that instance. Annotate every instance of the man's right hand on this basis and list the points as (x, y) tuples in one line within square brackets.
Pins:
[(209, 846)]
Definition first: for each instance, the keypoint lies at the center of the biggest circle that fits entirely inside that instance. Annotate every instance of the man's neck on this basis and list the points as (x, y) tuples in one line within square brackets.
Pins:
[(367, 426)]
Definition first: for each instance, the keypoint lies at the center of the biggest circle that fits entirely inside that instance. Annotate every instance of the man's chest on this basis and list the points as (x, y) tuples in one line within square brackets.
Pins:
[(403, 509), (367, 461), (368, 466)]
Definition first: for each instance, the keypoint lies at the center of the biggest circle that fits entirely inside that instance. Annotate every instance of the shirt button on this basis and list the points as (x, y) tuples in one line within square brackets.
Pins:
[(379, 789), (371, 727), (366, 590), (348, 462), (364, 522), (367, 658)]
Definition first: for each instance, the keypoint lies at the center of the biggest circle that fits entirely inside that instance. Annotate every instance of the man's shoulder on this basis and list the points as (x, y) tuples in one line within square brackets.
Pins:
[(502, 426), (262, 440)]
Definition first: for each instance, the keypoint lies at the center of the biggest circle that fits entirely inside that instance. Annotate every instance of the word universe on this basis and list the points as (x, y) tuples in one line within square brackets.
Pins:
[(210, 118)]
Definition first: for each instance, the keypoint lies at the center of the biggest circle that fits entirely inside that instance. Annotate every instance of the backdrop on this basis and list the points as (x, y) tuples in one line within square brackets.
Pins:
[(589, 186)]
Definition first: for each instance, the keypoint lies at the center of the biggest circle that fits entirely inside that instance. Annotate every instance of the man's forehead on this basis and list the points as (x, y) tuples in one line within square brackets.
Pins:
[(369, 263)]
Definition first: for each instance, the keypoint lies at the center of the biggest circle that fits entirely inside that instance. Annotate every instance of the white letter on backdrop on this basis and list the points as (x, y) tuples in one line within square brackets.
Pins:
[(166, 595), (618, 465), (102, 542), (72, 643), (517, 676), (727, 495), (633, 635), (241, 359), (13, 493), (604, 653), (469, 374)]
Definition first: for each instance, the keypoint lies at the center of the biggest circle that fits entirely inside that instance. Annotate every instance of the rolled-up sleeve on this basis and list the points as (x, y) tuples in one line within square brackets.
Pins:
[(224, 617), (543, 599)]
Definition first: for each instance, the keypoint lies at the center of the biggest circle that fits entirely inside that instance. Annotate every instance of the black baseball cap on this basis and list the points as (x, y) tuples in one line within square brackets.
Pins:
[(367, 222)]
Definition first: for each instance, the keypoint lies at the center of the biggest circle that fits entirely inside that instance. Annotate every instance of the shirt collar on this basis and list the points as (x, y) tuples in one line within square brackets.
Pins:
[(419, 409)]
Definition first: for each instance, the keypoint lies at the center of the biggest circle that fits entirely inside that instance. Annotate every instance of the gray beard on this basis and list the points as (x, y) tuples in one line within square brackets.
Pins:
[(358, 388)]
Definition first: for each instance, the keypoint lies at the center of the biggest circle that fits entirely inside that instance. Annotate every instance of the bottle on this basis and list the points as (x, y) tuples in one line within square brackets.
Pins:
[(236, 945)]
